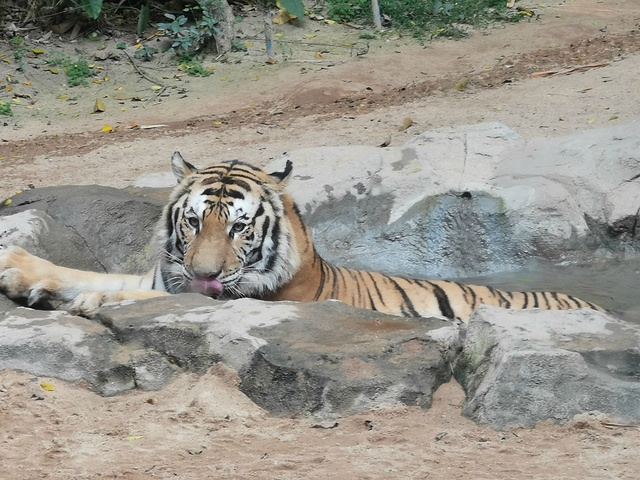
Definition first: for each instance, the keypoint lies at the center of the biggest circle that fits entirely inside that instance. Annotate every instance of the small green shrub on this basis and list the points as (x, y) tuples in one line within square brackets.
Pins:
[(190, 38), (146, 53), (5, 109), (193, 67), (348, 10), (77, 71), (20, 48), (238, 46)]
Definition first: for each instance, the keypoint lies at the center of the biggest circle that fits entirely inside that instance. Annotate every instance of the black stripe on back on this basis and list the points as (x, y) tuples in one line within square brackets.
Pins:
[(407, 301), (558, 300), (357, 289), (334, 276), (546, 300), (507, 303), (375, 285), (535, 299), (573, 299), (443, 301)]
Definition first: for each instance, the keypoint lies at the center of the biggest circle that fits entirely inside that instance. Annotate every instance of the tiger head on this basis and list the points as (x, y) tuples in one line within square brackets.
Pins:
[(225, 233)]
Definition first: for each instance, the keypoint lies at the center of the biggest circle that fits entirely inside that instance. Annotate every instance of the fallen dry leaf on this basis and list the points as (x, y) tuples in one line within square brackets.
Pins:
[(99, 106), (462, 84), (405, 124)]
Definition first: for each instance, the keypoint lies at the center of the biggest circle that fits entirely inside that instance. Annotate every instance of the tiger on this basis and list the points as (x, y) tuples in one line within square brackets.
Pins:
[(231, 230)]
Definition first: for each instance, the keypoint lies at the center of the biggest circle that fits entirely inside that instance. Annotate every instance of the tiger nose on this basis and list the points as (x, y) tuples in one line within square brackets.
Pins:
[(202, 273)]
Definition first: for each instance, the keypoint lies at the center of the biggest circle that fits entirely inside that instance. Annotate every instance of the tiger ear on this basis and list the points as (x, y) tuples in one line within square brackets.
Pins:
[(180, 167), (281, 178)]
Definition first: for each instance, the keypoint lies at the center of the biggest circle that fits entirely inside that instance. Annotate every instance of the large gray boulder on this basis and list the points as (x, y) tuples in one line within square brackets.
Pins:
[(56, 344), (521, 367), (472, 200), (87, 227), (318, 359)]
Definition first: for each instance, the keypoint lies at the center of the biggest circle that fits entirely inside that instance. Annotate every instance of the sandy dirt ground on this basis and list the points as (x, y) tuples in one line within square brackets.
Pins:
[(202, 427)]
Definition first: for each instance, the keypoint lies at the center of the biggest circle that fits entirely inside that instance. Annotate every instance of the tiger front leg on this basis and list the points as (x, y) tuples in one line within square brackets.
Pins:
[(25, 277)]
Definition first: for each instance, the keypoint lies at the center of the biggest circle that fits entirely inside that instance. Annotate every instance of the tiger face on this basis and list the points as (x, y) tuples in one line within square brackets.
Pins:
[(224, 232)]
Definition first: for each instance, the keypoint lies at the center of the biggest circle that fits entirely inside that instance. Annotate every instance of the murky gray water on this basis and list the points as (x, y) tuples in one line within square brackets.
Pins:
[(612, 284)]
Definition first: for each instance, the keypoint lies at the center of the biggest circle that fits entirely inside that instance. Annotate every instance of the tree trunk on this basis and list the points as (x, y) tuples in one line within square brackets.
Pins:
[(222, 12), (375, 9)]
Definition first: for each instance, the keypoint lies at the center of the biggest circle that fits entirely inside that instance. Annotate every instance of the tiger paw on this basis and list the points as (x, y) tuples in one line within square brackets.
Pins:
[(26, 277), (86, 304)]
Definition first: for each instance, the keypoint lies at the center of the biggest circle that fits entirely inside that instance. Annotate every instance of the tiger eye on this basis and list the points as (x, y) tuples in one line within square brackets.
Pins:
[(193, 222), (237, 227)]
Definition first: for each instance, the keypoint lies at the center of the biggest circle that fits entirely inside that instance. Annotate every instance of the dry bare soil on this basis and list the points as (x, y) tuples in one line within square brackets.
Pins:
[(202, 427)]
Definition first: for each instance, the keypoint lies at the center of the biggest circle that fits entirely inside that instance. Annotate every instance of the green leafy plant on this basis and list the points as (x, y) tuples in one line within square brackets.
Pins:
[(238, 46), (190, 38), (21, 47), (143, 19), (92, 7), (146, 53), (367, 36), (5, 109), (192, 66), (346, 10), (77, 71), (57, 59), (294, 7)]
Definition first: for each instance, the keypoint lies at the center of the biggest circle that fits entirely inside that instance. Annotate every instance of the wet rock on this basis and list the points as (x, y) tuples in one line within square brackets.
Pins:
[(522, 367)]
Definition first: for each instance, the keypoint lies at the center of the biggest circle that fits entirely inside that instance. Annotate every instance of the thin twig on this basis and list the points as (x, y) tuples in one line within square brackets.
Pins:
[(160, 84)]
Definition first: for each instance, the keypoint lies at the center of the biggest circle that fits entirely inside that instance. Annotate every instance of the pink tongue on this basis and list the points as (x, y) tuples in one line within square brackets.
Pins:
[(206, 286)]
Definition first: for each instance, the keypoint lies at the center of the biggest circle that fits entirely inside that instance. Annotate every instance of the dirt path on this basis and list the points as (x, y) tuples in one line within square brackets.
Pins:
[(202, 427)]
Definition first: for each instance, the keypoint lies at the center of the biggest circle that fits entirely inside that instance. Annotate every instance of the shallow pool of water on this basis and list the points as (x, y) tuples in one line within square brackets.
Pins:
[(612, 284)]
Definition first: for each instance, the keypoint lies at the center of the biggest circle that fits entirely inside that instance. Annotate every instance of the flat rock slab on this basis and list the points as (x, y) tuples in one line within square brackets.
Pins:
[(522, 367), (56, 344), (321, 359)]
